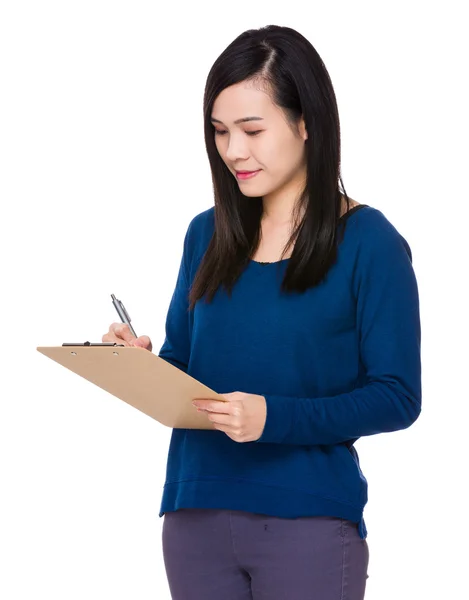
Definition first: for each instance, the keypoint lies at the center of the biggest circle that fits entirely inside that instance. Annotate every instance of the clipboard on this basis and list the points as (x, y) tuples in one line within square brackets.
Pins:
[(140, 378)]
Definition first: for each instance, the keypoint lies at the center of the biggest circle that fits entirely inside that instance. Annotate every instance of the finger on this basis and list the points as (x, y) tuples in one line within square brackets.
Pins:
[(219, 419), (113, 339), (143, 341), (229, 431), (218, 407), (232, 395), (146, 341), (122, 331)]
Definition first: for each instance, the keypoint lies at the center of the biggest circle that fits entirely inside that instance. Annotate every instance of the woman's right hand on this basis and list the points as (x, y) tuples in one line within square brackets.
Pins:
[(120, 333)]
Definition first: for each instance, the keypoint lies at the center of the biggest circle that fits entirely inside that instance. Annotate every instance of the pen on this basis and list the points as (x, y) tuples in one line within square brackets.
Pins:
[(123, 314)]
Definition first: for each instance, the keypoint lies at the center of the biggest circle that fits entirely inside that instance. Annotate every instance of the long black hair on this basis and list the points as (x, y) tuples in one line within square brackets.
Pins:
[(292, 71)]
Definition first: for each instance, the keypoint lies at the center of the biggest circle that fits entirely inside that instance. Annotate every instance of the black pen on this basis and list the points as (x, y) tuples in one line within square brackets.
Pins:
[(123, 314)]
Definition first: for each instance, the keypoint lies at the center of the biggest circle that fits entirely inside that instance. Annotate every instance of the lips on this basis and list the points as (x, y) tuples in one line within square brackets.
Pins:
[(246, 172)]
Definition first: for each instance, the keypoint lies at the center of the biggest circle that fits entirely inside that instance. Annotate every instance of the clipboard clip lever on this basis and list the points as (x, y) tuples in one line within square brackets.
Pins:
[(93, 344)]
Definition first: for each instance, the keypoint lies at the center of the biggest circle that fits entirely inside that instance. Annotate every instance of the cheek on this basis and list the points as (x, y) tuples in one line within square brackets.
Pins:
[(272, 152), (282, 158)]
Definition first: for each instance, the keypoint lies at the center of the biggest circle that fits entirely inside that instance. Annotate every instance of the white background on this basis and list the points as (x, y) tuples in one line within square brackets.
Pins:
[(103, 165)]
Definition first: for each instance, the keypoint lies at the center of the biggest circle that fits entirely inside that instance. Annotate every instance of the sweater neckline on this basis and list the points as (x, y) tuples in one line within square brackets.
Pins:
[(344, 217)]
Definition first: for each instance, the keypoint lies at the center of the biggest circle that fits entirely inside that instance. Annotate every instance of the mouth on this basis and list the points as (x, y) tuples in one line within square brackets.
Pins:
[(246, 174)]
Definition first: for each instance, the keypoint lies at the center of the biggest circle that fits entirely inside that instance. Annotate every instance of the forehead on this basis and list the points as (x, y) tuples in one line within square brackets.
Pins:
[(240, 100)]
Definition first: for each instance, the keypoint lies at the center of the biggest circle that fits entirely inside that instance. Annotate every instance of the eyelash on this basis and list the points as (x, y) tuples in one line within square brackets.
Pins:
[(251, 133)]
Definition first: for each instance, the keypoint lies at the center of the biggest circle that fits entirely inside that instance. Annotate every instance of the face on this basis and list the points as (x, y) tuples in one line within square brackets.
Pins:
[(267, 143)]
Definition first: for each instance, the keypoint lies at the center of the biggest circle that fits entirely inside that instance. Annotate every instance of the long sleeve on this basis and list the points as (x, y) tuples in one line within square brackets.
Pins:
[(388, 323), (176, 346)]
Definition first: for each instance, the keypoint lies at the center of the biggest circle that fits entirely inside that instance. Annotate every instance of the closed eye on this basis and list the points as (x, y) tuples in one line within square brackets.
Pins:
[(251, 133)]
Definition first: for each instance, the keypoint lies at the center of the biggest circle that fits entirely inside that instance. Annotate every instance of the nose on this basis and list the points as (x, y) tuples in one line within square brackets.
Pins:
[(237, 149)]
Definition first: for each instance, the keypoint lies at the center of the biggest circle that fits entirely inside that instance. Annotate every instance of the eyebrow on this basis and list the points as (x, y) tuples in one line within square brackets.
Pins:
[(243, 120)]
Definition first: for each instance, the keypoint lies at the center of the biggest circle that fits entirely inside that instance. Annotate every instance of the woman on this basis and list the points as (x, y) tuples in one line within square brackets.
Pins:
[(303, 307)]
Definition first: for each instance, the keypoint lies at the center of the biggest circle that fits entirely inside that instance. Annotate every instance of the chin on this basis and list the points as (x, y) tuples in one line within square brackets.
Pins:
[(252, 193)]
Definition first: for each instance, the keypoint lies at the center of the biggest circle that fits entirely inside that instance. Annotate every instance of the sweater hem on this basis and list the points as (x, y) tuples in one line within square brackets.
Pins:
[(255, 497)]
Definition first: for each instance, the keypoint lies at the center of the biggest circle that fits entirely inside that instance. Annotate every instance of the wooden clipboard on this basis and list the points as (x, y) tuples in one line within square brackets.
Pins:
[(140, 378)]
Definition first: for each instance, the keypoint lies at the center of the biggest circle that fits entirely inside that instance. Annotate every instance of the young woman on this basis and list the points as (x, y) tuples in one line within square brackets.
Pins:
[(301, 307)]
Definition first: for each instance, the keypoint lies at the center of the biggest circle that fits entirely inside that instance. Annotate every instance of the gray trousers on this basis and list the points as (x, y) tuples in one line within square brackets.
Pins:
[(233, 555)]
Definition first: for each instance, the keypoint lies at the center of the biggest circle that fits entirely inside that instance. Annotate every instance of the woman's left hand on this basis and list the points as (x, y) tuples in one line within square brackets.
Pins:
[(242, 418)]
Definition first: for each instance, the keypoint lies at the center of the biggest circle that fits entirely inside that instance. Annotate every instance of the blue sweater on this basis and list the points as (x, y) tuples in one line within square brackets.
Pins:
[(336, 363)]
